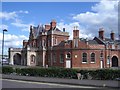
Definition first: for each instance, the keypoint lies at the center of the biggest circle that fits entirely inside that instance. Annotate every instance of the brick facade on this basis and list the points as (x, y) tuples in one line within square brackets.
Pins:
[(49, 46)]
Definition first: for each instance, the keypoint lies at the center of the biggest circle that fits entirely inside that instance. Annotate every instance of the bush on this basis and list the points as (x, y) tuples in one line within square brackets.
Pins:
[(99, 74), (7, 70), (48, 72), (105, 74), (18, 71)]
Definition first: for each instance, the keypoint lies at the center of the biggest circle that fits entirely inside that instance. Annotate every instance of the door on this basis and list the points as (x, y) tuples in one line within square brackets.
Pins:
[(114, 61), (68, 64), (101, 64)]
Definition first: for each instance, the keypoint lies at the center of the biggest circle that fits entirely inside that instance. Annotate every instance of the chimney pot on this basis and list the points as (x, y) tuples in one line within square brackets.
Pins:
[(101, 33), (53, 24), (63, 29), (47, 27), (112, 35)]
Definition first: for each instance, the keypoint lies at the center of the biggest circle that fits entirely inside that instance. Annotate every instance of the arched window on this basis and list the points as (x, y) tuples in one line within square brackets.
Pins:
[(101, 55), (68, 56), (32, 59), (92, 57), (84, 57)]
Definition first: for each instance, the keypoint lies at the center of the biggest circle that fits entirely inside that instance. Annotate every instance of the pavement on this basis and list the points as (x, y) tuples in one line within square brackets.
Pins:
[(96, 83)]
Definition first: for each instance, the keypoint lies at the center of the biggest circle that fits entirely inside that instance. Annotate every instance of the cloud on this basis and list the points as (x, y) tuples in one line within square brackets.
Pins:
[(8, 16), (3, 27), (103, 14), (69, 28), (21, 25), (16, 21), (11, 15), (12, 41), (21, 11)]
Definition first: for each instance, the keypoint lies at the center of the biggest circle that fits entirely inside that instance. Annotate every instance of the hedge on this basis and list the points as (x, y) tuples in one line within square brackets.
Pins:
[(49, 72), (7, 70), (99, 74)]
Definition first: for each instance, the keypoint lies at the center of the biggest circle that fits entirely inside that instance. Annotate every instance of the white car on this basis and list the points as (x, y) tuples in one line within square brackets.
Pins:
[(4, 61)]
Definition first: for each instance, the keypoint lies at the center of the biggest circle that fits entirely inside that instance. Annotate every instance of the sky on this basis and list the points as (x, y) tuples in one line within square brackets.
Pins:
[(17, 17)]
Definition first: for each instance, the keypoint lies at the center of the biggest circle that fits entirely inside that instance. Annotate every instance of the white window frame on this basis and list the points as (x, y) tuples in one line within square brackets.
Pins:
[(92, 57), (84, 57), (67, 55)]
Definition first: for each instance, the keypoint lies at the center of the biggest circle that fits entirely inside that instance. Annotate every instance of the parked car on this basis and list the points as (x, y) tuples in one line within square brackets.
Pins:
[(4, 62)]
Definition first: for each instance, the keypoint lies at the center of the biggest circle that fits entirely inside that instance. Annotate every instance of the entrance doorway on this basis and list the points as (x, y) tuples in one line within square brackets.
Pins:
[(17, 59), (68, 64), (114, 61)]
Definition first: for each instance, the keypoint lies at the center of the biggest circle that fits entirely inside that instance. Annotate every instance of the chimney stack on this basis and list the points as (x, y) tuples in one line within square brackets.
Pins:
[(112, 35), (47, 27), (101, 33), (75, 33), (53, 24)]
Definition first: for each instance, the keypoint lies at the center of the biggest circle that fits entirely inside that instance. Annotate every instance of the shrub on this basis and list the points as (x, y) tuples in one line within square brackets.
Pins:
[(7, 70), (105, 74), (18, 71)]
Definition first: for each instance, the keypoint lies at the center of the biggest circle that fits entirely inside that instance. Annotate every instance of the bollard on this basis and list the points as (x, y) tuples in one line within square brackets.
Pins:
[(79, 75)]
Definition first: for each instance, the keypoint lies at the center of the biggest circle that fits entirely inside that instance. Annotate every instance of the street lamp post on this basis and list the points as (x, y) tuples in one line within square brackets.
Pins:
[(5, 30), (109, 53)]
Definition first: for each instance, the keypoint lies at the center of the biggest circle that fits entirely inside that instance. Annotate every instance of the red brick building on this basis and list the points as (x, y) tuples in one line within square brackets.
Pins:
[(49, 46)]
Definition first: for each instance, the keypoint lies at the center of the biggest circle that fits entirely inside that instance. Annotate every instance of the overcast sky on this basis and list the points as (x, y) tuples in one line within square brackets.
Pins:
[(17, 17)]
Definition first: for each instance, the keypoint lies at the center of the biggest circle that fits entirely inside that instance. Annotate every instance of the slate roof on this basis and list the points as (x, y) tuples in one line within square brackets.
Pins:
[(89, 41), (108, 40), (92, 42)]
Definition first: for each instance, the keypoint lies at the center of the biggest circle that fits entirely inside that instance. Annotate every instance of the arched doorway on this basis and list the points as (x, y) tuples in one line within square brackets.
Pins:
[(114, 61), (17, 59)]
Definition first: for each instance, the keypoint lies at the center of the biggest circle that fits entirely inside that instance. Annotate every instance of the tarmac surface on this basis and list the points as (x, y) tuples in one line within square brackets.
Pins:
[(114, 85)]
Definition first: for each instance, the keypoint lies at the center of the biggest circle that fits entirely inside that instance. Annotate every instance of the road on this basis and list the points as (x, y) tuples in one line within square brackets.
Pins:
[(8, 83)]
